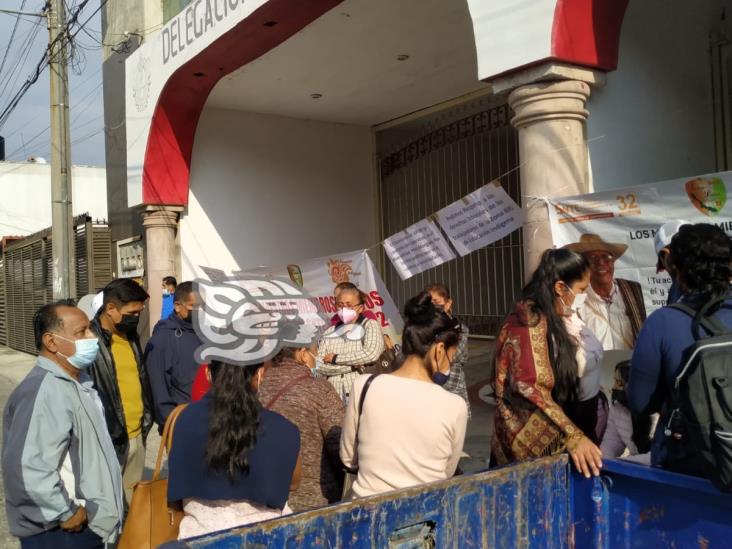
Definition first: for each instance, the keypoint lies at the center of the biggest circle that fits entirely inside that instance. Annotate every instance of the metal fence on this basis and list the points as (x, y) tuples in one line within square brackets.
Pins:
[(26, 275), (436, 170)]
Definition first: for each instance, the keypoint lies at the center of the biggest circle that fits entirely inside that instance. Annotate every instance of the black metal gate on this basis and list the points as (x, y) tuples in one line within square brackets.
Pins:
[(436, 170)]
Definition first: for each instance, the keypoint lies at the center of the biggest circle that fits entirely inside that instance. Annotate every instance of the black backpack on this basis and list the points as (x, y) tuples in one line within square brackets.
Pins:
[(701, 419)]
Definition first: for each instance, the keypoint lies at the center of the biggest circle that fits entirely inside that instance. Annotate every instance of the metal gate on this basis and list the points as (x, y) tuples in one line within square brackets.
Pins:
[(27, 274), (436, 170)]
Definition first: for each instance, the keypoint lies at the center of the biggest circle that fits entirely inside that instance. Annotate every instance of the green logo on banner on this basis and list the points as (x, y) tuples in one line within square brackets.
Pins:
[(707, 195)]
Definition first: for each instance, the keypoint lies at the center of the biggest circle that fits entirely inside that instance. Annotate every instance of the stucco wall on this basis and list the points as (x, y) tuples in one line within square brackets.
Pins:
[(26, 192), (653, 120), (267, 190)]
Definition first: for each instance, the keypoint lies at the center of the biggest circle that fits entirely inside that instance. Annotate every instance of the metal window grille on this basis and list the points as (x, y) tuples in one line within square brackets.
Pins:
[(437, 169)]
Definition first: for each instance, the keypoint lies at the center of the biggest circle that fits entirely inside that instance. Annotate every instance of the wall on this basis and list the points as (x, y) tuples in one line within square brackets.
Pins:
[(268, 190), (26, 192), (142, 19), (653, 120)]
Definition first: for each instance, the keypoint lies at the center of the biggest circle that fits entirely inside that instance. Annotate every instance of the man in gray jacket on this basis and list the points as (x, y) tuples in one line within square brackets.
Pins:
[(63, 484)]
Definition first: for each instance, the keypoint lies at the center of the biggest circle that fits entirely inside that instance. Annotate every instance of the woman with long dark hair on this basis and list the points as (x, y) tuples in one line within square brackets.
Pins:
[(232, 462), (701, 262), (409, 431), (537, 373)]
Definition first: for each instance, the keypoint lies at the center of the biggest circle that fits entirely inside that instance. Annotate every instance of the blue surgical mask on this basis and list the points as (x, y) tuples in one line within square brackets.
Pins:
[(86, 352), (439, 378)]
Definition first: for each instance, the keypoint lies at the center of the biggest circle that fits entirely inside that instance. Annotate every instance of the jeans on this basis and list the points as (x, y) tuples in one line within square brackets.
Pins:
[(61, 539)]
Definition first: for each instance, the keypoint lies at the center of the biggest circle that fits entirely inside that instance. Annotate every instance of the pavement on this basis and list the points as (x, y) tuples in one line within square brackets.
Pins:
[(14, 366)]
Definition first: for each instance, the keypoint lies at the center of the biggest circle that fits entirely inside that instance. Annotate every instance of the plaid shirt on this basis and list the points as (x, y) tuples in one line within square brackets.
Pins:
[(351, 355), (456, 382)]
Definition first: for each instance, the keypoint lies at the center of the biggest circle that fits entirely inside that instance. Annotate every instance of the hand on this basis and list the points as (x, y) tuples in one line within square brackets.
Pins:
[(328, 359), (587, 457), (76, 522)]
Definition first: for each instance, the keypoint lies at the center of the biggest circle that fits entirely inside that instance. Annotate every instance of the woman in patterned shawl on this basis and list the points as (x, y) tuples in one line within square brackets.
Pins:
[(536, 369)]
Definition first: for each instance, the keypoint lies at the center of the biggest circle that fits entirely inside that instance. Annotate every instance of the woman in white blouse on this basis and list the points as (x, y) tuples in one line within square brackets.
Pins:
[(410, 430)]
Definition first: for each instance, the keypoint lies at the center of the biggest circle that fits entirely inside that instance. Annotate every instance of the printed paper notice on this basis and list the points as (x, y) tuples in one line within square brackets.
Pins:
[(417, 248), (480, 218)]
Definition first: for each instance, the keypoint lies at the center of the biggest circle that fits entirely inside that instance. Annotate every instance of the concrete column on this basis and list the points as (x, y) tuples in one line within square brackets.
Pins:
[(161, 225), (550, 119)]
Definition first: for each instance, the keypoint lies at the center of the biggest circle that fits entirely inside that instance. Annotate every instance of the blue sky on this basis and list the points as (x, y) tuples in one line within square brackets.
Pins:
[(26, 131)]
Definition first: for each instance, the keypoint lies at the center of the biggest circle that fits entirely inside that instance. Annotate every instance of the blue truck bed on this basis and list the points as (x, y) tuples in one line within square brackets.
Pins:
[(542, 503)]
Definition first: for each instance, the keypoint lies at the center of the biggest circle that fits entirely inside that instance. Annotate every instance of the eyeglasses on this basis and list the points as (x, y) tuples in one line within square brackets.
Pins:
[(596, 259)]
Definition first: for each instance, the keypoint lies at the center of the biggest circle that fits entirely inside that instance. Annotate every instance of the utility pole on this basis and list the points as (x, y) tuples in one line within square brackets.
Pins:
[(62, 232)]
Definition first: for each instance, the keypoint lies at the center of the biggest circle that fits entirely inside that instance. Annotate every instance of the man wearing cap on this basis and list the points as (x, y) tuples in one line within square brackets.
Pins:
[(614, 308), (662, 243)]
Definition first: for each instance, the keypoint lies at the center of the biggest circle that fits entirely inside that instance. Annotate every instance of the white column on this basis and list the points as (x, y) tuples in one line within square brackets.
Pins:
[(161, 225), (550, 119)]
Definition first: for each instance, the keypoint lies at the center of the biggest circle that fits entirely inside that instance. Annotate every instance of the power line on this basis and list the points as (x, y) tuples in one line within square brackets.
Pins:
[(12, 36)]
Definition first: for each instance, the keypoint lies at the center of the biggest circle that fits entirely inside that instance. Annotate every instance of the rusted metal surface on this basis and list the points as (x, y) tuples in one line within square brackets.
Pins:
[(522, 506), (637, 506)]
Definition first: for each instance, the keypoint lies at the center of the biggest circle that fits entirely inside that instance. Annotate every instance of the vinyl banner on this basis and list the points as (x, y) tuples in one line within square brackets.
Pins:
[(320, 275), (630, 217)]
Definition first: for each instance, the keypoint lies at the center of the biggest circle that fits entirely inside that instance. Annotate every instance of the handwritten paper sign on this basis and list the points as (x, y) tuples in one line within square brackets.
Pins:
[(417, 248), (480, 218)]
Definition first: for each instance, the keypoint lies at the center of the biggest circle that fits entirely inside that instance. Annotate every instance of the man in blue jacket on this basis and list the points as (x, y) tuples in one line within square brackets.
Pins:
[(169, 355)]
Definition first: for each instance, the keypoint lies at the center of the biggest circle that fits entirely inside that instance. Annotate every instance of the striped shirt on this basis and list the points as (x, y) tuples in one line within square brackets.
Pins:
[(352, 354)]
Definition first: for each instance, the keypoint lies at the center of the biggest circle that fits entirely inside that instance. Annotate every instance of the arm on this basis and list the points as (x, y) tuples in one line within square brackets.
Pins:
[(458, 440), (326, 346), (296, 474), (646, 364), (330, 419), (39, 451), (612, 445), (372, 347), (349, 452), (159, 370), (461, 356)]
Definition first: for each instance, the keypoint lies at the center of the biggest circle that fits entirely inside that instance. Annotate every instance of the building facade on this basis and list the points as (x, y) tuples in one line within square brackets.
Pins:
[(265, 131)]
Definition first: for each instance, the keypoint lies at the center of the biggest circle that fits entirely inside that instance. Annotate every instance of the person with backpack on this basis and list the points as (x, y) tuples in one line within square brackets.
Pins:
[(676, 372)]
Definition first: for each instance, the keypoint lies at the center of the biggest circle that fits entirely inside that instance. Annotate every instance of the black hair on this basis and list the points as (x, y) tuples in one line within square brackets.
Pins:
[(182, 291), (701, 254), (286, 353), (347, 287), (426, 325), (122, 291), (46, 319), (568, 267), (170, 281), (234, 418)]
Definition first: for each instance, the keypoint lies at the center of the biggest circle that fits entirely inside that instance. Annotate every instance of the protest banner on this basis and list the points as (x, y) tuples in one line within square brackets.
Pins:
[(319, 276), (631, 216), (417, 248), (480, 218)]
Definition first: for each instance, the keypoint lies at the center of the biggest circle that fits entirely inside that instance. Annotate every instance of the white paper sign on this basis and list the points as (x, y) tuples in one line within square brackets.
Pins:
[(480, 218), (417, 248)]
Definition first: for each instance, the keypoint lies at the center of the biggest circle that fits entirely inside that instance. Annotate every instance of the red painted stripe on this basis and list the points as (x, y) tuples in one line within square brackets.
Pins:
[(587, 32), (165, 179)]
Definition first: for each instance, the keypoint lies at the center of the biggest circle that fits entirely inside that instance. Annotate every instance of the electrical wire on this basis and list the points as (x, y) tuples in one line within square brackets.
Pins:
[(12, 37)]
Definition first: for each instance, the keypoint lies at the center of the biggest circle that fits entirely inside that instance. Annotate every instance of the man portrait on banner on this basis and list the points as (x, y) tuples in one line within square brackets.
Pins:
[(614, 309)]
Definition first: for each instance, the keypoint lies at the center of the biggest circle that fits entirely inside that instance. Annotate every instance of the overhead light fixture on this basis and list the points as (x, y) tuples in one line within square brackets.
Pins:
[(402, 57), (316, 95)]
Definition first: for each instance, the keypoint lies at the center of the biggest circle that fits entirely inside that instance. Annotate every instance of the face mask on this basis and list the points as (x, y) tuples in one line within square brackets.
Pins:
[(128, 324), (439, 378), (577, 302), (347, 315), (166, 292), (86, 352)]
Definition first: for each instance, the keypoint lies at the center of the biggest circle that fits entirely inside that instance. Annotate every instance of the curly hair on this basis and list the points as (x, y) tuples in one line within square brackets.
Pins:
[(568, 267), (233, 420), (702, 256)]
